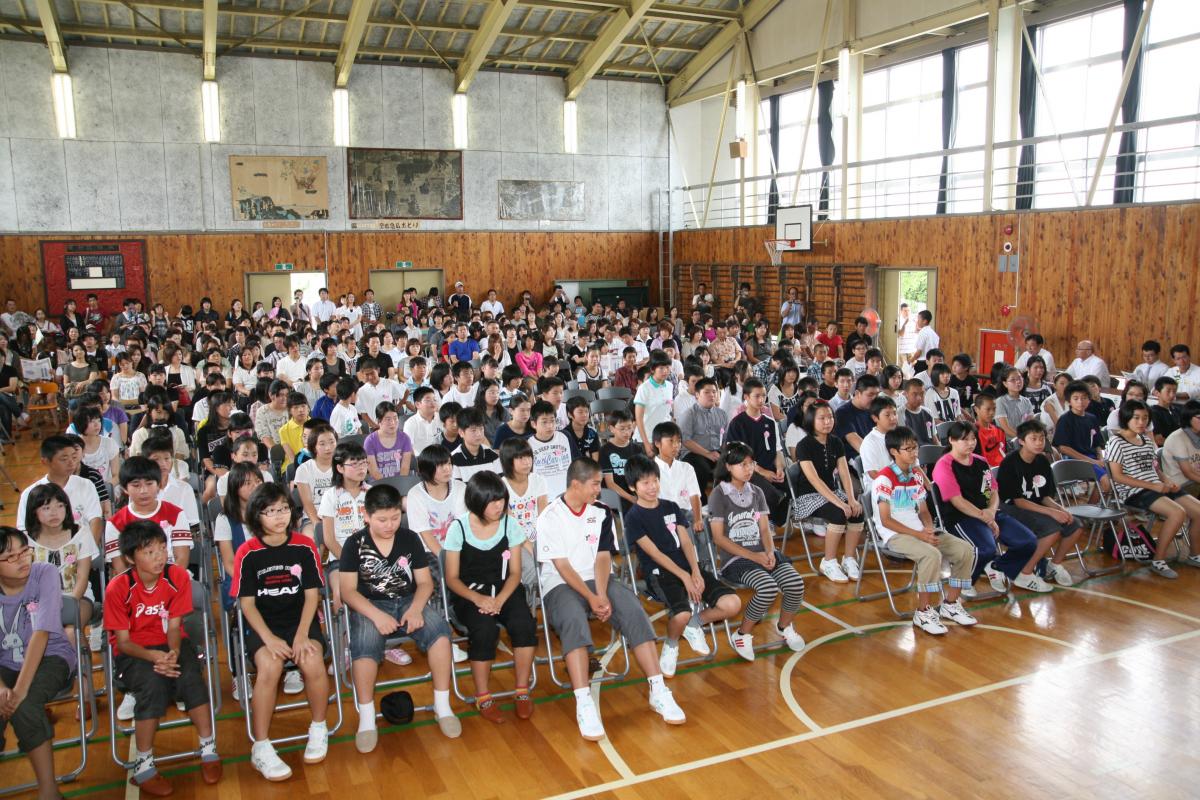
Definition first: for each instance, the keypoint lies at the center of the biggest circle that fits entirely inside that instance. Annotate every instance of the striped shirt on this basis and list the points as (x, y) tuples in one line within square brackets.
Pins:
[(1136, 460)]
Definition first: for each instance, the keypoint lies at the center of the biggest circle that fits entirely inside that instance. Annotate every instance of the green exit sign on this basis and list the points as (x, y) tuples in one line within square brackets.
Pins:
[(284, 267), (404, 265)]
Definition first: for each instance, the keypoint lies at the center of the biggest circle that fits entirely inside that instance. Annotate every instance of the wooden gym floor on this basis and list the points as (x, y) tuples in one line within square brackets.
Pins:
[(1084, 692)]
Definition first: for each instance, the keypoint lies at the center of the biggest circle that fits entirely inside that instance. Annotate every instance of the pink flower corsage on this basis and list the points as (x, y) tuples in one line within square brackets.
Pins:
[(296, 570), (32, 606)]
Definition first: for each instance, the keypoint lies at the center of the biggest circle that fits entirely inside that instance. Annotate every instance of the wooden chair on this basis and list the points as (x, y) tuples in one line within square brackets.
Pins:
[(44, 397)]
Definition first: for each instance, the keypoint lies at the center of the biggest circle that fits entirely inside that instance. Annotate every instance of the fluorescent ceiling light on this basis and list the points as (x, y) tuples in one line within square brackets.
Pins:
[(210, 97), (570, 127), (341, 118), (459, 109), (64, 104)]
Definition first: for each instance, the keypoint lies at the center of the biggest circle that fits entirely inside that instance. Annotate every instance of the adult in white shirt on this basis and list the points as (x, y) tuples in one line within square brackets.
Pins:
[(492, 305), (1033, 347), (354, 315), (1185, 373), (1152, 367), (927, 338), (322, 310), (906, 333), (1088, 363)]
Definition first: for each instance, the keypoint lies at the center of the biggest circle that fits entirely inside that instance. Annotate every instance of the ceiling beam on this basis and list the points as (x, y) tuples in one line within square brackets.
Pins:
[(752, 13), (666, 11), (490, 27), (620, 24), (52, 30), (352, 36), (210, 40)]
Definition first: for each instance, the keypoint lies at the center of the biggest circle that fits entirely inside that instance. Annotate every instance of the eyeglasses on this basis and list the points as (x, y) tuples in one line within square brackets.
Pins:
[(912, 448), (277, 511), (355, 464), (17, 556)]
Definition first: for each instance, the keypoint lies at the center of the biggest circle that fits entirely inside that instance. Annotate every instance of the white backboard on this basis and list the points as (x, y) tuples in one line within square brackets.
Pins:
[(794, 222)]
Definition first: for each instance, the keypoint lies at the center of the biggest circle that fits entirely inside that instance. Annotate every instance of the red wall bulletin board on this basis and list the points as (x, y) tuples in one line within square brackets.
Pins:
[(114, 270)]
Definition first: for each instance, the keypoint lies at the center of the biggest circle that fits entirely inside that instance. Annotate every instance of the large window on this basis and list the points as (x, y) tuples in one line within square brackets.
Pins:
[(970, 129), (1170, 87), (1081, 61), (902, 115)]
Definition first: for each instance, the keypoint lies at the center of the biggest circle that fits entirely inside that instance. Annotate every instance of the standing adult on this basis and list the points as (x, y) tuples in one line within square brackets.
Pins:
[(322, 310), (906, 334), (791, 311), (300, 310), (460, 303), (927, 339), (492, 305)]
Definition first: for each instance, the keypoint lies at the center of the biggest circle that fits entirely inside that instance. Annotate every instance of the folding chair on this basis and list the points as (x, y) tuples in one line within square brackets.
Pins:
[(615, 639), (600, 408), (44, 397), (276, 458), (943, 430), (572, 385), (615, 393), (354, 438), (1070, 474), (200, 631), (325, 618), (791, 477), (1146, 517), (586, 394), (401, 483), (76, 693), (710, 555), (927, 457), (874, 543)]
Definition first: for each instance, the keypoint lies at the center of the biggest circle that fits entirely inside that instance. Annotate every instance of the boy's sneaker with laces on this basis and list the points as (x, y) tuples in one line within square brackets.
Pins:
[(268, 763), (743, 645), (668, 659), (460, 655), (318, 743), (127, 707), (927, 620), (850, 567), (1059, 574), (696, 639), (587, 716), (956, 613), (1191, 561), (1161, 569), (237, 689), (996, 578), (831, 570), (398, 656), (1032, 583), (293, 682), (795, 641), (663, 702)]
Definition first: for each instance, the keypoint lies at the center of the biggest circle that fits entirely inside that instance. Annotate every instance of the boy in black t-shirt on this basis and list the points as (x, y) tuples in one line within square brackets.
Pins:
[(386, 585), (616, 452), (1027, 492), (668, 557), (755, 427)]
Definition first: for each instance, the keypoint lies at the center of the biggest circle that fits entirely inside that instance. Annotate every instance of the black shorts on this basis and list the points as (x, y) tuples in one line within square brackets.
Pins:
[(154, 692), (287, 633), (1041, 524), (675, 597), (1144, 498)]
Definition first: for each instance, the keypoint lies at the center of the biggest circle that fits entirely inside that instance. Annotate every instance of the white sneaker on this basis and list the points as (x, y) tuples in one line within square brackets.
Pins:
[(928, 621), (668, 659), (96, 638), (267, 761), (795, 641), (743, 645), (293, 682), (398, 656), (831, 570), (318, 743), (1161, 569), (663, 702), (460, 655), (1059, 574), (587, 716), (127, 707), (818, 529), (850, 567), (1032, 582), (180, 706), (237, 690), (996, 578), (697, 640), (969, 593), (956, 613)]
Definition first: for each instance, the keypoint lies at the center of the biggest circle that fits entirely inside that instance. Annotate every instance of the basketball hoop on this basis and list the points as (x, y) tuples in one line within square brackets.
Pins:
[(777, 247)]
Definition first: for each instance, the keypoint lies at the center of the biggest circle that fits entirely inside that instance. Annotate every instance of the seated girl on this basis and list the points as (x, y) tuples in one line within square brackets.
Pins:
[(822, 459)]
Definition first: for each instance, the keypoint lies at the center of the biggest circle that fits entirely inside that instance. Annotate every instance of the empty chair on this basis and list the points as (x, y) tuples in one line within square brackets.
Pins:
[(586, 394), (615, 393)]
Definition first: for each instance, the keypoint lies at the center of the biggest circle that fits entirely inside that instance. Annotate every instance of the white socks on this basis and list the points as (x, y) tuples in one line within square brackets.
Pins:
[(583, 694), (656, 683), (441, 703), (366, 716)]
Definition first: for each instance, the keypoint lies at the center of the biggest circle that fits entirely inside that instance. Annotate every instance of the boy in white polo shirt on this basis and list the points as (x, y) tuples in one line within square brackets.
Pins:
[(575, 543), (873, 451), (903, 522), (677, 478)]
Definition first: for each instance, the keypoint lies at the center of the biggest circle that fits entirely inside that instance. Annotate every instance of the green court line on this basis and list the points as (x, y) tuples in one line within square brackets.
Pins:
[(552, 698)]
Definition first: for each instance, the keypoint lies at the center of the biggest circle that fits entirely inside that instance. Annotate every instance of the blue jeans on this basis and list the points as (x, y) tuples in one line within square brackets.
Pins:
[(1020, 541), (367, 642)]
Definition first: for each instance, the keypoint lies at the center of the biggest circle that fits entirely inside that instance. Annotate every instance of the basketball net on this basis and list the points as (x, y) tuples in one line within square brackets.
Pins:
[(775, 249)]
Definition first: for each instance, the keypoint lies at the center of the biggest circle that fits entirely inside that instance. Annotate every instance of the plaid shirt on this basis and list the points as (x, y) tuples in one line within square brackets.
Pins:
[(762, 370), (372, 312)]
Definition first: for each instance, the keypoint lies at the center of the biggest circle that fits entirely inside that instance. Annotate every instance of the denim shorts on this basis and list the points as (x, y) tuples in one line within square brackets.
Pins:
[(367, 642)]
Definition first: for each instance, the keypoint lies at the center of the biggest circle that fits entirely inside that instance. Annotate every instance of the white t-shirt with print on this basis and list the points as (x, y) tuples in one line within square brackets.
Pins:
[(85, 502), (348, 512), (426, 513), (524, 507), (317, 480)]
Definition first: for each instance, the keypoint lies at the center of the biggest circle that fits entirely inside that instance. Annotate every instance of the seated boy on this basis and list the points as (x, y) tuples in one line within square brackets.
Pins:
[(915, 416), (37, 659), (874, 452), (990, 440), (385, 582), (1077, 434), (575, 550), (473, 455), (141, 481), (155, 660), (1027, 490), (668, 557), (904, 524)]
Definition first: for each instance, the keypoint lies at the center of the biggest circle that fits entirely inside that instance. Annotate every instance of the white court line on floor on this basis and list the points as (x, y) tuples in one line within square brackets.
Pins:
[(787, 741), (132, 792), (1131, 602)]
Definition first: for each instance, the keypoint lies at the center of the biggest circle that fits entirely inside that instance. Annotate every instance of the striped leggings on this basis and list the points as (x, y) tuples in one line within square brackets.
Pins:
[(767, 585)]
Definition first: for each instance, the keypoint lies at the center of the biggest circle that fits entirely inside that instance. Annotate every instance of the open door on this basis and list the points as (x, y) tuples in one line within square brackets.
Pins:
[(917, 288), (389, 284), (262, 287)]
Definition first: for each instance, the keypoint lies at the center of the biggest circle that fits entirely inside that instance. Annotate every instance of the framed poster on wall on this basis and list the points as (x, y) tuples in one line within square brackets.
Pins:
[(113, 270), (404, 184)]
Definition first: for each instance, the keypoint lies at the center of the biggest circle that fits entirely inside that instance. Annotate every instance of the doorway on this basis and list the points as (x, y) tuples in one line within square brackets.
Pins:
[(389, 284), (263, 287), (917, 288)]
